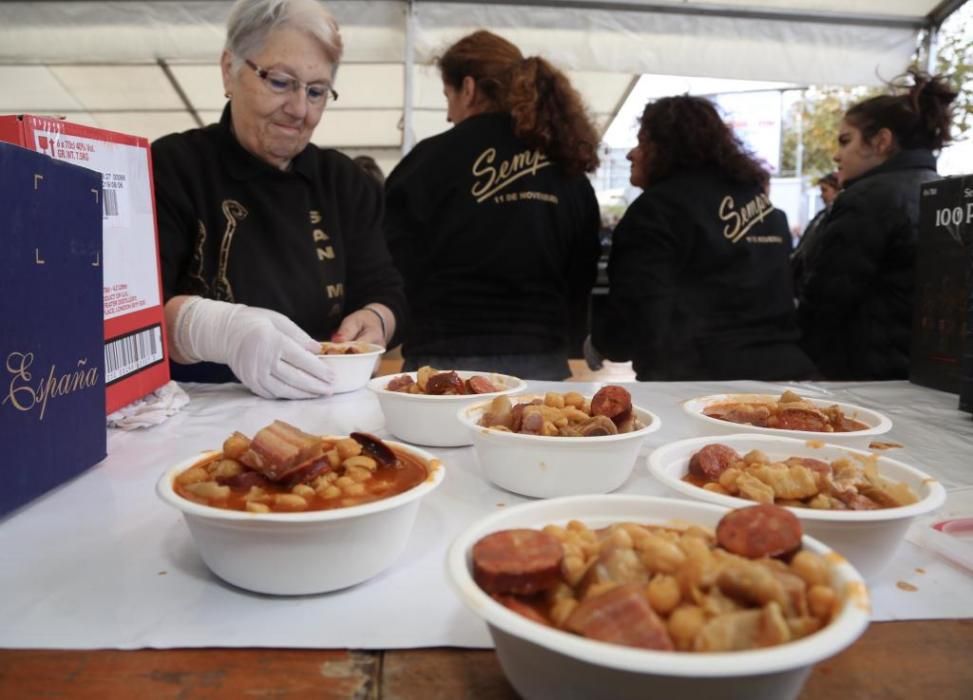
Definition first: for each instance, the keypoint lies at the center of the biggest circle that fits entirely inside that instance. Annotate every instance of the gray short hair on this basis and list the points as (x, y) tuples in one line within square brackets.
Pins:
[(251, 21)]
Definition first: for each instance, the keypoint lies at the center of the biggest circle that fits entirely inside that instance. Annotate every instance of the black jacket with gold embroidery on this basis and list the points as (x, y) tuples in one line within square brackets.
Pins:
[(497, 245), (306, 242), (700, 285)]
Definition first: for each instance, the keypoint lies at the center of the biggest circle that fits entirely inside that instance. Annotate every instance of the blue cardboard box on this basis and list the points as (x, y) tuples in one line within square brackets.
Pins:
[(52, 387)]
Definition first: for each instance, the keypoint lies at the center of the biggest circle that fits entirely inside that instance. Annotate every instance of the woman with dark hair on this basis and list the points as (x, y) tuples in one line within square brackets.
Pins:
[(855, 306), (699, 273), (494, 224)]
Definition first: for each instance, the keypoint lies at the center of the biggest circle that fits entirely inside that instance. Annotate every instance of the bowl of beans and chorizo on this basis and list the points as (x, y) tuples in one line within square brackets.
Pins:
[(352, 362), (859, 502), (635, 596), (787, 415), (290, 513), (558, 444), (420, 407)]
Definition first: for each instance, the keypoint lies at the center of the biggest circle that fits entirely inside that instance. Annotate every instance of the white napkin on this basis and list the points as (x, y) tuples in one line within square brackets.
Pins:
[(151, 409)]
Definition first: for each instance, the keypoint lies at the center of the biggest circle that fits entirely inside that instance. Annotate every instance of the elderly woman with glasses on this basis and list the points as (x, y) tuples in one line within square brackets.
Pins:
[(267, 241)]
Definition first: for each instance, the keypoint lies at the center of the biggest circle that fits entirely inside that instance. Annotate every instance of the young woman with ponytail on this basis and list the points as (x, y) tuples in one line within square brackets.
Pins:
[(855, 308), (493, 223)]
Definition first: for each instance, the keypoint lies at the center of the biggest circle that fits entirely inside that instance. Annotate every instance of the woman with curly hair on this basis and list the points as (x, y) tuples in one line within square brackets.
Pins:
[(494, 224), (855, 306), (699, 272)]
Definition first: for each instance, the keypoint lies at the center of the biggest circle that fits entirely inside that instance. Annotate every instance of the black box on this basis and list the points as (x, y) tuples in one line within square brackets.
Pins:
[(966, 382), (943, 276)]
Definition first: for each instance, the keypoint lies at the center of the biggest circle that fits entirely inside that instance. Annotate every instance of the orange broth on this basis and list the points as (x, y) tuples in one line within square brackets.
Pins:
[(385, 481)]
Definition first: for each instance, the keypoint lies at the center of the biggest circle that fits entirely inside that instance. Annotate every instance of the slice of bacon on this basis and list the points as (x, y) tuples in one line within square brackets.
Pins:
[(621, 615), (279, 449), (445, 383)]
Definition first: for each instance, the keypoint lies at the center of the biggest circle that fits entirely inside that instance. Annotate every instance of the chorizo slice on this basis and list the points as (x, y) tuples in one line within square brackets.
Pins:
[(522, 607), (621, 615), (401, 383), (612, 402), (521, 561), (712, 460), (517, 417), (480, 385), (373, 447), (763, 530)]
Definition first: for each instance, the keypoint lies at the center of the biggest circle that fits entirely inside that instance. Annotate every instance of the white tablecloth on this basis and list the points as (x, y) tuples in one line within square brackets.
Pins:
[(102, 563)]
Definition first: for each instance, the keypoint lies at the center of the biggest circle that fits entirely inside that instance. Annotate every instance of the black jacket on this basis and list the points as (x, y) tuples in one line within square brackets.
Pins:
[(307, 242), (806, 249), (497, 245), (700, 285), (855, 308)]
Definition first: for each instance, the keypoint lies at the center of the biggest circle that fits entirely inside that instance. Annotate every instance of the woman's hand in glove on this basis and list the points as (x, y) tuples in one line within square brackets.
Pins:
[(267, 351)]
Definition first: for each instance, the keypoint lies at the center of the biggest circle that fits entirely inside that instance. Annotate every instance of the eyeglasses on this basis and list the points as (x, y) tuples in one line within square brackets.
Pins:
[(282, 84)]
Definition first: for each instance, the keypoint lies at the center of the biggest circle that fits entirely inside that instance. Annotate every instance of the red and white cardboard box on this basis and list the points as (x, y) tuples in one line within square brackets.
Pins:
[(136, 358)]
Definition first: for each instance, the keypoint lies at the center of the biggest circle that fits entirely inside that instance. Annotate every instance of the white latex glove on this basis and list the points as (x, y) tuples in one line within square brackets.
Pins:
[(267, 351), (592, 356)]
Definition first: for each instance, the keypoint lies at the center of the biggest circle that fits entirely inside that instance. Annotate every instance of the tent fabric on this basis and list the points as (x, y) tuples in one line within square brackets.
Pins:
[(150, 67)]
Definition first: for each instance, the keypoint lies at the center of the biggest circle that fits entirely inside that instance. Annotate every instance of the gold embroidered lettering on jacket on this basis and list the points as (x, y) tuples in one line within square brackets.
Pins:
[(234, 212), (326, 252), (493, 178), (741, 219)]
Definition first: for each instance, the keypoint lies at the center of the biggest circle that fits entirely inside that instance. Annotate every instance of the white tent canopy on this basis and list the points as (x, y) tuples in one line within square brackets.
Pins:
[(150, 67)]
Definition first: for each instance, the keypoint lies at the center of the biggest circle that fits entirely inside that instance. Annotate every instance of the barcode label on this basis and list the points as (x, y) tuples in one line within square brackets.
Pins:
[(129, 354), (110, 198)]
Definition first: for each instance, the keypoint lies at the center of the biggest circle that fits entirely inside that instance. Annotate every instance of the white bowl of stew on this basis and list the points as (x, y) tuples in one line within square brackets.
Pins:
[(430, 419), (547, 466), (867, 423), (542, 661), (868, 538), (353, 363), (311, 551)]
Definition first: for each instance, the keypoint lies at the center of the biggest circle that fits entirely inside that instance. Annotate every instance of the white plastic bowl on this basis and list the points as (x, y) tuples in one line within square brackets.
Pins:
[(352, 372), (541, 662), (302, 553), (878, 423), (431, 420), (868, 538), (546, 466)]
